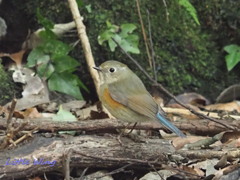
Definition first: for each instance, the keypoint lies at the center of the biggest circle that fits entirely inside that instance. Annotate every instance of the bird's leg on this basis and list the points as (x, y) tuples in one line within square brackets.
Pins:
[(119, 138), (126, 127), (132, 127), (122, 133), (133, 137)]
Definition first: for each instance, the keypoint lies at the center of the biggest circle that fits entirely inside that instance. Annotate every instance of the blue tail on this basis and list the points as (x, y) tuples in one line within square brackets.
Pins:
[(169, 125)]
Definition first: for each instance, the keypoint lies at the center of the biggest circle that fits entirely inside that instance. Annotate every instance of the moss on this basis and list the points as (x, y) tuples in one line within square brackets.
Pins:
[(7, 90)]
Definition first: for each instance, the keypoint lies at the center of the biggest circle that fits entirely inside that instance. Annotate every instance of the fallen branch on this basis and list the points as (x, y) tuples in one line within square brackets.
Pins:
[(199, 127), (232, 154), (43, 155)]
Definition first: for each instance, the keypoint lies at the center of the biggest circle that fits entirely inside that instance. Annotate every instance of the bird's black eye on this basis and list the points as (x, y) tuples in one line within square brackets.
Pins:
[(111, 70)]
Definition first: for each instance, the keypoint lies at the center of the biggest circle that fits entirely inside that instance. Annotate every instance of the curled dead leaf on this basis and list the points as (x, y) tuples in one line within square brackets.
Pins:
[(192, 99)]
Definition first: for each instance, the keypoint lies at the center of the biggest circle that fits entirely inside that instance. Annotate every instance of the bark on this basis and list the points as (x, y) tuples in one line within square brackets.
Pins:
[(84, 41), (85, 151), (198, 127)]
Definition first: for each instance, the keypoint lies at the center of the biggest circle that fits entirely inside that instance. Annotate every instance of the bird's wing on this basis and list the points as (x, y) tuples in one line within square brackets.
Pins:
[(132, 93)]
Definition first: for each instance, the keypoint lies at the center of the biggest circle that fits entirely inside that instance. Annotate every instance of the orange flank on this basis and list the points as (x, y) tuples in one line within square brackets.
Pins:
[(110, 101)]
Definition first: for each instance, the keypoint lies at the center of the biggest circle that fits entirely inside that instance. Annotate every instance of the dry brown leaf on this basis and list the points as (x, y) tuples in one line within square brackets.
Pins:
[(207, 166), (229, 94), (85, 113), (73, 105), (28, 113), (32, 113), (18, 114), (237, 143), (192, 99), (157, 95), (229, 136), (98, 115), (4, 111), (178, 142), (16, 57), (96, 111), (225, 171), (231, 106), (193, 170), (175, 113), (231, 139), (222, 162)]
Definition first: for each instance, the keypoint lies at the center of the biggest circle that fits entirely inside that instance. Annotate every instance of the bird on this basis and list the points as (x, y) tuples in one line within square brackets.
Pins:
[(124, 95)]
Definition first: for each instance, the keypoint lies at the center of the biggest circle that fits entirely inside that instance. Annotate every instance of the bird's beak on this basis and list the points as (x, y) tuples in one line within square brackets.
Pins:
[(97, 68)]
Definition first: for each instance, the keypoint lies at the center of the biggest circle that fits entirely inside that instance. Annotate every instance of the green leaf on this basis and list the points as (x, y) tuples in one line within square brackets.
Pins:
[(66, 83), (105, 36), (45, 70), (190, 8), (47, 35), (44, 21), (52, 61), (108, 33), (233, 57), (33, 57), (43, 60), (56, 48), (112, 45), (127, 29), (109, 24), (64, 116), (89, 8), (80, 84), (65, 63), (231, 48), (129, 43)]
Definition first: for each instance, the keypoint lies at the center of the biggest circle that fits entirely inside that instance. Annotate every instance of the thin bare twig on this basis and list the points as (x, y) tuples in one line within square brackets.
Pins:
[(67, 158), (11, 134), (167, 13), (83, 174), (45, 176), (84, 41), (170, 94), (144, 34), (151, 47), (10, 131), (156, 171), (12, 108), (121, 169), (183, 172), (25, 136)]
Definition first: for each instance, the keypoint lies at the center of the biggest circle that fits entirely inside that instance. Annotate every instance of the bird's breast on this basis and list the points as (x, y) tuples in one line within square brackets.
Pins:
[(109, 101)]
